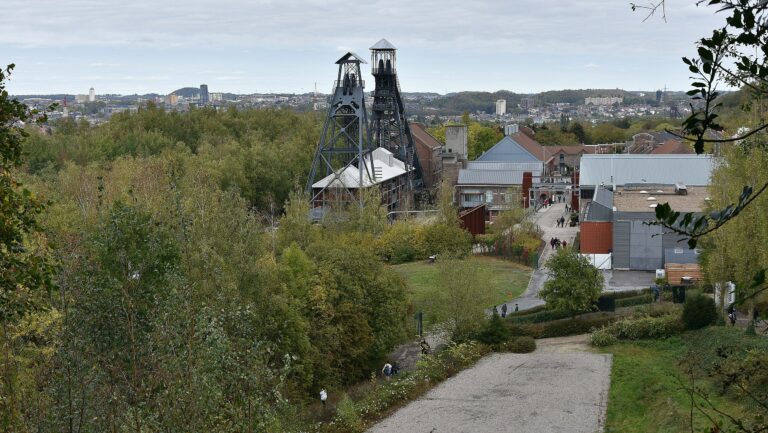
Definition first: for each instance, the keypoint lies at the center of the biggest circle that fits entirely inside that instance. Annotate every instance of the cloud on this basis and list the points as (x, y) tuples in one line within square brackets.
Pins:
[(591, 65)]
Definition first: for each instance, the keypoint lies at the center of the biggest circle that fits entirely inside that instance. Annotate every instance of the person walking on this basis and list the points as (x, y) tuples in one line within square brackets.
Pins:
[(323, 397), (504, 310), (732, 317), (387, 371), (516, 308), (565, 244)]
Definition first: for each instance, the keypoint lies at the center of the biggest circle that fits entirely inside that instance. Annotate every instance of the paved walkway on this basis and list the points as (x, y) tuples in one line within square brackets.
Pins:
[(559, 387), (546, 220)]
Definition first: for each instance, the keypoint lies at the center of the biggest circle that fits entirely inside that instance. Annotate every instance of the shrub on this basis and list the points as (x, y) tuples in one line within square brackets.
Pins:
[(647, 327), (520, 345), (636, 328), (347, 416), (603, 337), (525, 330), (494, 331), (699, 311)]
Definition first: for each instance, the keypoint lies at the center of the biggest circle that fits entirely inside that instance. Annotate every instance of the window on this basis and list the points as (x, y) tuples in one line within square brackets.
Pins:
[(489, 196)]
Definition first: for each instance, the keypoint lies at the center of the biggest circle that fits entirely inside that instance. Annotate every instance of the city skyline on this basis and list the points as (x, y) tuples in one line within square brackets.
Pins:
[(271, 47)]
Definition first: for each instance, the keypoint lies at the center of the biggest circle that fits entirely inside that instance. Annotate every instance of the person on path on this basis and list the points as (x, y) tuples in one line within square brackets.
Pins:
[(732, 317), (557, 243), (565, 244), (496, 310), (424, 347), (504, 310), (552, 243), (387, 370), (323, 397), (516, 308)]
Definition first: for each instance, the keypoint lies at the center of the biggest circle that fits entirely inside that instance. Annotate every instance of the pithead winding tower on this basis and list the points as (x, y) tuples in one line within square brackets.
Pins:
[(389, 127), (345, 142)]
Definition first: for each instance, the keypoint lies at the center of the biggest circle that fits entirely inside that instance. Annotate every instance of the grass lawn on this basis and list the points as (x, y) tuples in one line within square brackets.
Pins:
[(508, 280), (645, 394)]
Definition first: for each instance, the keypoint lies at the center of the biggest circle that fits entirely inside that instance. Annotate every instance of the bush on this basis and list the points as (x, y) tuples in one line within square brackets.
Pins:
[(603, 337), (636, 328), (520, 345), (494, 331), (525, 330), (647, 327), (699, 311)]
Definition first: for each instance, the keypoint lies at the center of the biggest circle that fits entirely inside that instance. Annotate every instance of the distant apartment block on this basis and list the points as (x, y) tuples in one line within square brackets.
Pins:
[(203, 94), (501, 107), (172, 100), (92, 95), (603, 100)]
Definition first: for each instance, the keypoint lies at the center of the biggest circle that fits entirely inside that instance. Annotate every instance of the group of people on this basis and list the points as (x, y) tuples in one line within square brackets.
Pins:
[(557, 243), (503, 309), (561, 222)]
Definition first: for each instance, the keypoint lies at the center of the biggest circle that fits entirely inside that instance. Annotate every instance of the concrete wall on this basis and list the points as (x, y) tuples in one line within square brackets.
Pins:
[(456, 140)]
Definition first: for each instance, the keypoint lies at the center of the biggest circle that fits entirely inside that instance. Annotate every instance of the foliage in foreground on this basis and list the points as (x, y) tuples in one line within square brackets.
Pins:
[(651, 380), (699, 311), (356, 416)]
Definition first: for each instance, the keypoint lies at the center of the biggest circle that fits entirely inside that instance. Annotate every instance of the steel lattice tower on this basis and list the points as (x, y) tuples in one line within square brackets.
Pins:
[(345, 141), (389, 126)]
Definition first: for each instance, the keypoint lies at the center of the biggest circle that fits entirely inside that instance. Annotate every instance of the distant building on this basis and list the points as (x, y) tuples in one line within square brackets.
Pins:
[(91, 95), (81, 99), (216, 97), (501, 107), (172, 100), (527, 103), (603, 100), (428, 150), (203, 94)]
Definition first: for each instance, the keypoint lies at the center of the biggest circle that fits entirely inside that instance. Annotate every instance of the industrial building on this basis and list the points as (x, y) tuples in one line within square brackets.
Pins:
[(344, 187)]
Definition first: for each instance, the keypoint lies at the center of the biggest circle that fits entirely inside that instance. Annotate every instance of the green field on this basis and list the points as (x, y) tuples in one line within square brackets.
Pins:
[(507, 280), (646, 393)]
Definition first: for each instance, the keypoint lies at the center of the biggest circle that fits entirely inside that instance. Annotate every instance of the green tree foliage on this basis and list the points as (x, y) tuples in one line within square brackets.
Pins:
[(264, 154), (25, 269), (460, 287), (573, 285), (177, 309), (699, 311)]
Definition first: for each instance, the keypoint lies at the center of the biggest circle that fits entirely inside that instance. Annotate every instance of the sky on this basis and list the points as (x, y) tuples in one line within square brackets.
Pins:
[(270, 46)]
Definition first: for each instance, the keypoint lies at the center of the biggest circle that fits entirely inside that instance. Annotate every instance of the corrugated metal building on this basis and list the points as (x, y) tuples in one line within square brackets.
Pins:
[(597, 227)]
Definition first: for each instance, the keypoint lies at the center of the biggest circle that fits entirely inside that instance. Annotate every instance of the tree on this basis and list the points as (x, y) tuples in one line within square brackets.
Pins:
[(460, 299), (25, 268), (573, 285)]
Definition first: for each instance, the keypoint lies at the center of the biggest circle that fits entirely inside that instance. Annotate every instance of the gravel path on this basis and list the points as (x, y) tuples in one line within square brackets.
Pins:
[(558, 388), (546, 219)]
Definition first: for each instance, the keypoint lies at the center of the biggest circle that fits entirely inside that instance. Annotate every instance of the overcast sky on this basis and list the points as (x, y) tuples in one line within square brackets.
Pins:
[(248, 46)]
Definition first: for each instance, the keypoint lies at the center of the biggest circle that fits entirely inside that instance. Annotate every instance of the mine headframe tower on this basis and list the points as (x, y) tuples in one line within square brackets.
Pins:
[(345, 143), (389, 126)]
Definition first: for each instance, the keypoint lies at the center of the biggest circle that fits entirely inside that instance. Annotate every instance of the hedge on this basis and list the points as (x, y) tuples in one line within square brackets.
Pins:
[(636, 328), (635, 300), (560, 328)]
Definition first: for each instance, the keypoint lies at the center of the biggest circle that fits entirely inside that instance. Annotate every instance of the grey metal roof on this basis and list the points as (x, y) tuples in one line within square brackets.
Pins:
[(490, 177), (622, 169), (345, 58), (507, 150), (383, 44), (533, 167), (680, 256), (604, 197)]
